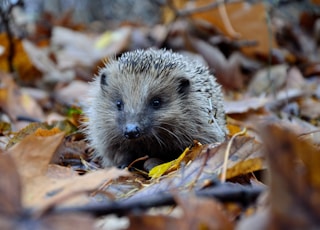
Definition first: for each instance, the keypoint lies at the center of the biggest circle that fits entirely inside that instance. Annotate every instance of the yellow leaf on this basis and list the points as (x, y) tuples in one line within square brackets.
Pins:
[(233, 129), (40, 132), (159, 170), (107, 38), (245, 167), (5, 127)]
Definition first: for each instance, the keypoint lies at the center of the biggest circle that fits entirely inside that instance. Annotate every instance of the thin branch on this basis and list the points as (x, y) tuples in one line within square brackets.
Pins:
[(227, 153), (225, 192)]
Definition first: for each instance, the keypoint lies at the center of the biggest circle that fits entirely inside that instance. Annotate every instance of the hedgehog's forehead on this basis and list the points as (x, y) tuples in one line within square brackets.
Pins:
[(145, 69), (142, 80), (146, 64)]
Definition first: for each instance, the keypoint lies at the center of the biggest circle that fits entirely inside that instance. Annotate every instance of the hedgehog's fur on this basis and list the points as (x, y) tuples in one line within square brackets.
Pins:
[(165, 94)]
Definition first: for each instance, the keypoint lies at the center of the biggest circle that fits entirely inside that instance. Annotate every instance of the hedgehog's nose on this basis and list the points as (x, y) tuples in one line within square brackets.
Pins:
[(132, 131)]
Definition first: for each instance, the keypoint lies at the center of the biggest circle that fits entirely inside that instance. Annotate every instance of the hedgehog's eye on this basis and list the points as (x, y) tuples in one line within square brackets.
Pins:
[(103, 79), (184, 86), (156, 102), (119, 104)]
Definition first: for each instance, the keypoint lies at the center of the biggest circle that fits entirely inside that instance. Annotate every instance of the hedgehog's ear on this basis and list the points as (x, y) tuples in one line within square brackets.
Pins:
[(184, 86), (103, 79)]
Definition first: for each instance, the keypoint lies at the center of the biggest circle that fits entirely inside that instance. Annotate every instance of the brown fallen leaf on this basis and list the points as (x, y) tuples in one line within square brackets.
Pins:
[(268, 80), (226, 70), (10, 187), (317, 2), (27, 72), (203, 213), (73, 189), (275, 78), (41, 59), (310, 108), (74, 152), (16, 103), (32, 156), (253, 16), (295, 182), (86, 49), (198, 213), (14, 216), (69, 95), (42, 129), (245, 105), (158, 222)]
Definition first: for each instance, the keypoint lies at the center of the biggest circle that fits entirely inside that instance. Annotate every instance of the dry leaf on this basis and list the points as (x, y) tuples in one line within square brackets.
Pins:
[(27, 72), (45, 132), (16, 103), (41, 59), (244, 105), (74, 187), (226, 70), (32, 156), (187, 156), (310, 108), (12, 214), (10, 187), (254, 17), (246, 166), (29, 129), (84, 49), (295, 182), (159, 222), (203, 213), (268, 80), (198, 213), (70, 95)]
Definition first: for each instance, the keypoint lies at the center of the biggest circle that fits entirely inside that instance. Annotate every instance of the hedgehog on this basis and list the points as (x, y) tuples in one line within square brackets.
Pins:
[(152, 102)]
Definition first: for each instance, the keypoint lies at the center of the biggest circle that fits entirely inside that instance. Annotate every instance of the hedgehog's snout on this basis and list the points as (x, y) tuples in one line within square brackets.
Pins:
[(132, 131)]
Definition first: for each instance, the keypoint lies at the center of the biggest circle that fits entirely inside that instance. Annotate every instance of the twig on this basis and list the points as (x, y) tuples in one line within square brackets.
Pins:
[(308, 133), (226, 192), (137, 160), (270, 38), (48, 207), (227, 153)]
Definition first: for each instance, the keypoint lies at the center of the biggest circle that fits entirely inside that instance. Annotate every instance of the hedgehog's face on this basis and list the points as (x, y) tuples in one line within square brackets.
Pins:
[(146, 106)]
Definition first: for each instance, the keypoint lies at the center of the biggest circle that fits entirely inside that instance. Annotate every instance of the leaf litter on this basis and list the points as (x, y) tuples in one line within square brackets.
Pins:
[(269, 71)]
